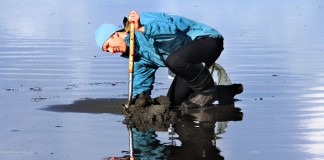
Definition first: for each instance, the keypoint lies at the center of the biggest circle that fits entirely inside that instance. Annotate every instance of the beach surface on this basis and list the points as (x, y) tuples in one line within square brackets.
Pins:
[(61, 97)]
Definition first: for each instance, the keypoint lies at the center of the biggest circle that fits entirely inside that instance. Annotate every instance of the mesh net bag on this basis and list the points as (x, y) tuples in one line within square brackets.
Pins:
[(223, 78)]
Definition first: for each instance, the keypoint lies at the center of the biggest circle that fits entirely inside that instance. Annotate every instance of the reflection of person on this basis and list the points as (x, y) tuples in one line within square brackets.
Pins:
[(196, 140), (196, 131), (186, 47), (116, 158), (146, 146)]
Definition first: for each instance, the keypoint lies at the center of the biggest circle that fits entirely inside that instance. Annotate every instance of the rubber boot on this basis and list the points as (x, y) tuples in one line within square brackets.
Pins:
[(225, 93), (203, 85)]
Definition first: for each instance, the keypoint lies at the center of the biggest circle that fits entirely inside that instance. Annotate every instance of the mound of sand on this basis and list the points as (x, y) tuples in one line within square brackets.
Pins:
[(145, 113)]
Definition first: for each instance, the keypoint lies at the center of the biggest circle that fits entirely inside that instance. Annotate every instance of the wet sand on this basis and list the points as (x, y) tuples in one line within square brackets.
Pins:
[(61, 98)]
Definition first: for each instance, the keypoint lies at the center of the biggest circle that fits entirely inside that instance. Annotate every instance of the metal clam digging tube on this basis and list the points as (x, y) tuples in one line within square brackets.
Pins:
[(131, 64), (131, 145)]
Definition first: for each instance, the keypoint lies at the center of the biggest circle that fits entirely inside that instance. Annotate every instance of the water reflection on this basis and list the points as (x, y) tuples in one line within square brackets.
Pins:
[(313, 122), (197, 130)]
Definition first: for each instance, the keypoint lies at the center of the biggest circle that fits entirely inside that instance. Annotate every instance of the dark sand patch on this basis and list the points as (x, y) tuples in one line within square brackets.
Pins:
[(113, 106)]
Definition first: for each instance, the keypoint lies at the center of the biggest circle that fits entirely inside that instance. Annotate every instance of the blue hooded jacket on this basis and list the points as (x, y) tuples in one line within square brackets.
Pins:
[(163, 34)]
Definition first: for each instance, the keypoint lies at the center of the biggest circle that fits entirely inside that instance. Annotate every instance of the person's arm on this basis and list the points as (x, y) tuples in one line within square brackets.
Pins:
[(159, 26), (144, 75), (134, 17)]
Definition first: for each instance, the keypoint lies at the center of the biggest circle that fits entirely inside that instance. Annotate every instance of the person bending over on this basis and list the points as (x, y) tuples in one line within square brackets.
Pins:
[(188, 48)]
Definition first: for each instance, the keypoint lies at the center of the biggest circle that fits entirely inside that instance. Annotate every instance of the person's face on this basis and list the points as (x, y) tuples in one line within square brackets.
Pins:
[(115, 43)]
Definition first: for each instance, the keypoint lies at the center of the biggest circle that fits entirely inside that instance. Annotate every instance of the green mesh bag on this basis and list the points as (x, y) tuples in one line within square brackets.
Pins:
[(223, 78)]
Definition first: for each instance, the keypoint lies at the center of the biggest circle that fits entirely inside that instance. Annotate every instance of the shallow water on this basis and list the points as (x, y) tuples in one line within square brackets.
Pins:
[(48, 58)]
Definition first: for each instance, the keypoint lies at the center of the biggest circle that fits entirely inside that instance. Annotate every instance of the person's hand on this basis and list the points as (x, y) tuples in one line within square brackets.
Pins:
[(134, 17)]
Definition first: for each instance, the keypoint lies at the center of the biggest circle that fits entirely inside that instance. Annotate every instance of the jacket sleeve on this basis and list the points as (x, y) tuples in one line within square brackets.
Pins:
[(161, 29), (144, 75)]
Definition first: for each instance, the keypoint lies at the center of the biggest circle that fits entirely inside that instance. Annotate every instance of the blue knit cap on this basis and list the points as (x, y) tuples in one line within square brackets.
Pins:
[(104, 32)]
